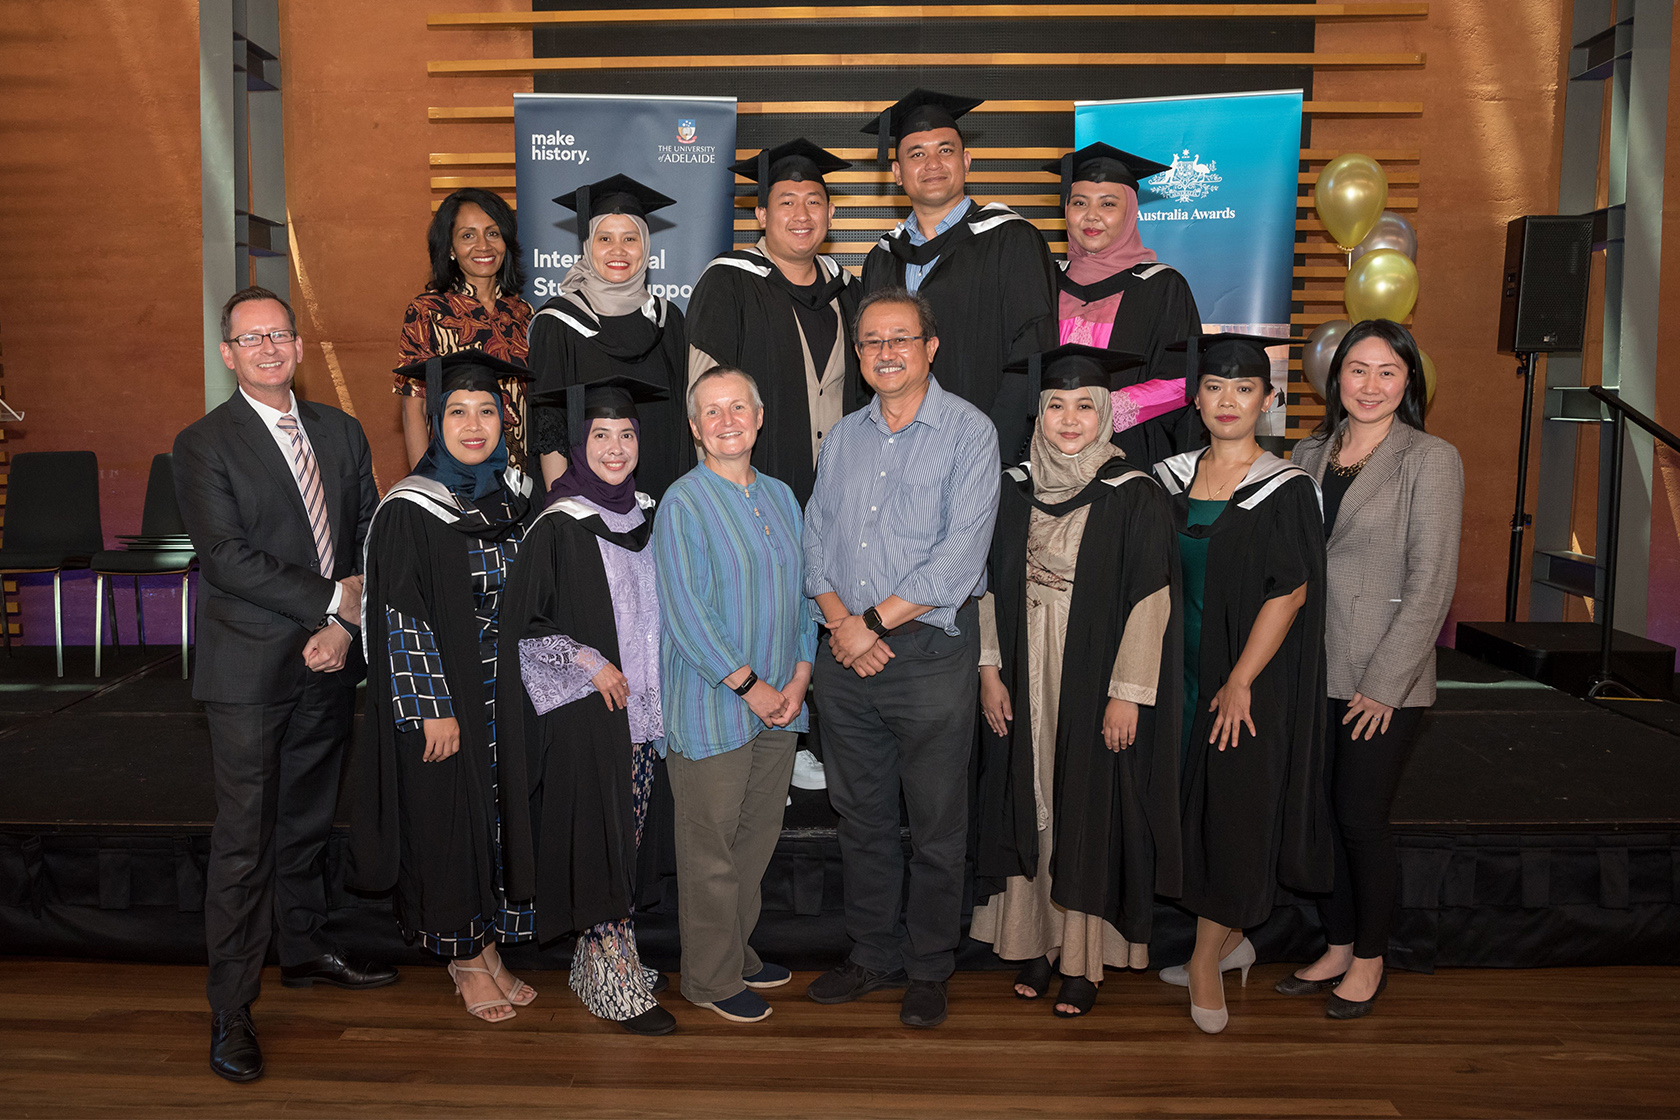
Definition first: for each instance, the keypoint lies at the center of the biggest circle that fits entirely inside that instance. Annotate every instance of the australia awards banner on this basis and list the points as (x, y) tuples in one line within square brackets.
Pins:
[(1224, 214), (680, 146)]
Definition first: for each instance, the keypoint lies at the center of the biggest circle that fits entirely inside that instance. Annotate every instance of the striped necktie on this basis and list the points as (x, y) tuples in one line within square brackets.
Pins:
[(309, 485)]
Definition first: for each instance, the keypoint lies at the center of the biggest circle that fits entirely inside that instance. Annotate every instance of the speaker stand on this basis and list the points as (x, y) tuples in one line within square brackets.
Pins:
[(1520, 519)]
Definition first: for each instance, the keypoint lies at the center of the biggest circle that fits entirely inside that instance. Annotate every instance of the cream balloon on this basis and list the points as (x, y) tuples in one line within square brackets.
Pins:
[(1318, 349), (1350, 195), (1391, 232), (1428, 364), (1380, 285)]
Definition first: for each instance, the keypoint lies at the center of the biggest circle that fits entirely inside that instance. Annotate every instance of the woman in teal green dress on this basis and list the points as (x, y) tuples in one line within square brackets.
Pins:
[(1251, 548)]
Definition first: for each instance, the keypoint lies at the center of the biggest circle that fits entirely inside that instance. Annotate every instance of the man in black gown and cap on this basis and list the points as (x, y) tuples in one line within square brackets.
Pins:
[(985, 269), (780, 311)]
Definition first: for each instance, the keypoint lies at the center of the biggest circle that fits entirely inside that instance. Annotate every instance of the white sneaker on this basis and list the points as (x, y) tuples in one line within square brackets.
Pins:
[(808, 772)]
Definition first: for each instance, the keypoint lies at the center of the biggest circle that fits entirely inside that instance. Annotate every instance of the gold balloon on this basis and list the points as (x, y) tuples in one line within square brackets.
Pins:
[(1380, 285), (1350, 195), (1428, 364)]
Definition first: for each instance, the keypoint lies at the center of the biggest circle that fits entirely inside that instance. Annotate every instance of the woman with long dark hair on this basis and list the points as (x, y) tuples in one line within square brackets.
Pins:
[(471, 302), (1393, 510)]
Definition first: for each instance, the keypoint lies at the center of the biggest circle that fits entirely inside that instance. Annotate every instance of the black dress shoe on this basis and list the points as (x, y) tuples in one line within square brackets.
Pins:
[(848, 981), (1338, 1008), (924, 1004), (333, 968), (1293, 985), (234, 1053)]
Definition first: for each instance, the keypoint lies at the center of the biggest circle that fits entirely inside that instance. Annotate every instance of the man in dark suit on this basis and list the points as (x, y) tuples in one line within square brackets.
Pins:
[(277, 494)]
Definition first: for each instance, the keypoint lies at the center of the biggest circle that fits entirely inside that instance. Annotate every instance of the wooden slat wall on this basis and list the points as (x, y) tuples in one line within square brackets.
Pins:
[(1320, 266)]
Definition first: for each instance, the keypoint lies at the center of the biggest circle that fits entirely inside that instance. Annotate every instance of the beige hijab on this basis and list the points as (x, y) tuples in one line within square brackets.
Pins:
[(1053, 542), (604, 297)]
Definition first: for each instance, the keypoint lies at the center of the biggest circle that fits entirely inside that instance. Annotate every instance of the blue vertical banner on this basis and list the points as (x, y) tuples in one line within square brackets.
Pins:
[(1223, 215), (679, 146)]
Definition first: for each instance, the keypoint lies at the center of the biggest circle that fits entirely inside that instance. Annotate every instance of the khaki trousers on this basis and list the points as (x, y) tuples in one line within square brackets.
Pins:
[(729, 817)]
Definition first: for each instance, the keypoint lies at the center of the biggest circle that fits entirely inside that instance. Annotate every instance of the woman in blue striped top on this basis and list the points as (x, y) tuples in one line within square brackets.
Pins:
[(735, 659)]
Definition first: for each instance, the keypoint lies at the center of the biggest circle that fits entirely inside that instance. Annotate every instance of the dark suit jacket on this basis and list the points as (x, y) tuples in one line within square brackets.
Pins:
[(261, 596)]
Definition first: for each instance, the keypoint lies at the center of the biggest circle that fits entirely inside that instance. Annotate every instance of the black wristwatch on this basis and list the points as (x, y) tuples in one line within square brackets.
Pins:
[(872, 619), (746, 686)]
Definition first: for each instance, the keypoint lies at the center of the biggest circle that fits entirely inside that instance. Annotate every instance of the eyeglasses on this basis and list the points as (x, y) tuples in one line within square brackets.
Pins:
[(869, 346), (279, 338)]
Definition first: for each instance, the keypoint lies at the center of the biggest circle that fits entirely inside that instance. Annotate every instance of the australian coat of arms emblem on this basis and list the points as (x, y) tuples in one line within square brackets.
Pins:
[(1187, 179)]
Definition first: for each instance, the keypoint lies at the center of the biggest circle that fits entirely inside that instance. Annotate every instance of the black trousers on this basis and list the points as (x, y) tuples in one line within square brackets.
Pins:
[(277, 772), (909, 729), (1362, 777)]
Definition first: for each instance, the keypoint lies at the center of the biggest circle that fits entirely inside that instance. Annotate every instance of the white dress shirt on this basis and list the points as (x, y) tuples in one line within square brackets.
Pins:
[(271, 420)]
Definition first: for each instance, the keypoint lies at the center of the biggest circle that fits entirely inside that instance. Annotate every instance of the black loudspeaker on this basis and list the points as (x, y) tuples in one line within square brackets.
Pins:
[(1548, 260)]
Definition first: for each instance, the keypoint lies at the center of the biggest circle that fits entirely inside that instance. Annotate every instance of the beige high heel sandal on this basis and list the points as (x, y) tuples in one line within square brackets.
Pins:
[(520, 988), (478, 1009)]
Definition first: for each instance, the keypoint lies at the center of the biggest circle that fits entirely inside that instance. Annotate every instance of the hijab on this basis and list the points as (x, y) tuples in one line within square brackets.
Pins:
[(1058, 477), (473, 483), (604, 297), (1085, 267), (580, 481)]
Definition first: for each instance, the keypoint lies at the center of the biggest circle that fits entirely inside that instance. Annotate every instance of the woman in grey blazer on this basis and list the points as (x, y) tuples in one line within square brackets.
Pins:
[(1393, 507)]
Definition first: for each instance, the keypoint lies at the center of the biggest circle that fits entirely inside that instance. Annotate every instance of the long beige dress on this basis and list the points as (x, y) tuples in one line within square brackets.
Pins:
[(1022, 922)]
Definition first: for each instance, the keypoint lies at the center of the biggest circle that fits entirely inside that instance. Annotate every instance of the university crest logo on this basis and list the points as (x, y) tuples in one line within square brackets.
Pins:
[(1188, 179), (686, 132)]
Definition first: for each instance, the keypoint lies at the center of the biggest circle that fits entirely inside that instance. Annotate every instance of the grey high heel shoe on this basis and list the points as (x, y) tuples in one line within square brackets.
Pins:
[(1242, 957)]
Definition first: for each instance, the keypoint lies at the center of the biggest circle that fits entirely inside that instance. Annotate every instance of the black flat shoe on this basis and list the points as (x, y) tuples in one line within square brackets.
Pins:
[(925, 1004), (654, 1021), (660, 984), (1338, 1008), (1293, 985), (234, 1053), (333, 968), (1079, 992), (1035, 974)]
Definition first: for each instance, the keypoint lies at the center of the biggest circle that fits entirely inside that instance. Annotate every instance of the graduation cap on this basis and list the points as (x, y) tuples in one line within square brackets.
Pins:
[(1102, 163), (920, 110), (798, 160), (616, 194), (613, 397), (1074, 366), (472, 369), (1226, 355)]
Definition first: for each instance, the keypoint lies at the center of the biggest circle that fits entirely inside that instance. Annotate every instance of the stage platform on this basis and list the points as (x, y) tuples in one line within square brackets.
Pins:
[(1536, 829)]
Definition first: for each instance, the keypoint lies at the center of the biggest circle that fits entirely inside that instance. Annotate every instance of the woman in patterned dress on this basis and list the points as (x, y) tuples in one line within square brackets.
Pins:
[(471, 302), (436, 808)]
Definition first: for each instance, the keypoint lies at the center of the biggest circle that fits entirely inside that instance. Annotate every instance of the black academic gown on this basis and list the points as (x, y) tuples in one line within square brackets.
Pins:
[(428, 828), (993, 293), (1115, 821), (577, 756), (1255, 816), (742, 314), (571, 346), (1157, 308)]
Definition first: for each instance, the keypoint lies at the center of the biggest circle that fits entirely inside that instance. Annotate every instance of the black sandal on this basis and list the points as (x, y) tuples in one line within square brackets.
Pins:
[(1078, 992), (1035, 975)]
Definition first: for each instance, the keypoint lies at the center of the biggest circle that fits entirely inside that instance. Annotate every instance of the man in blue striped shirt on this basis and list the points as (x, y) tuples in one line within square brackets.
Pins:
[(896, 537)]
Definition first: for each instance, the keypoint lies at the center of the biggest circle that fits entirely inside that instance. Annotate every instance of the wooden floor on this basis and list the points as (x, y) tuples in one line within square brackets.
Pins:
[(108, 1039)]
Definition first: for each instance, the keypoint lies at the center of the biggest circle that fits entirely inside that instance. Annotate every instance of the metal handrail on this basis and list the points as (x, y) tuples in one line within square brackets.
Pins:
[(1620, 413)]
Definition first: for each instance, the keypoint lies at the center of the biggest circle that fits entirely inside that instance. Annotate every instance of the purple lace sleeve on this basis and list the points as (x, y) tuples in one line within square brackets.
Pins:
[(557, 670)]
